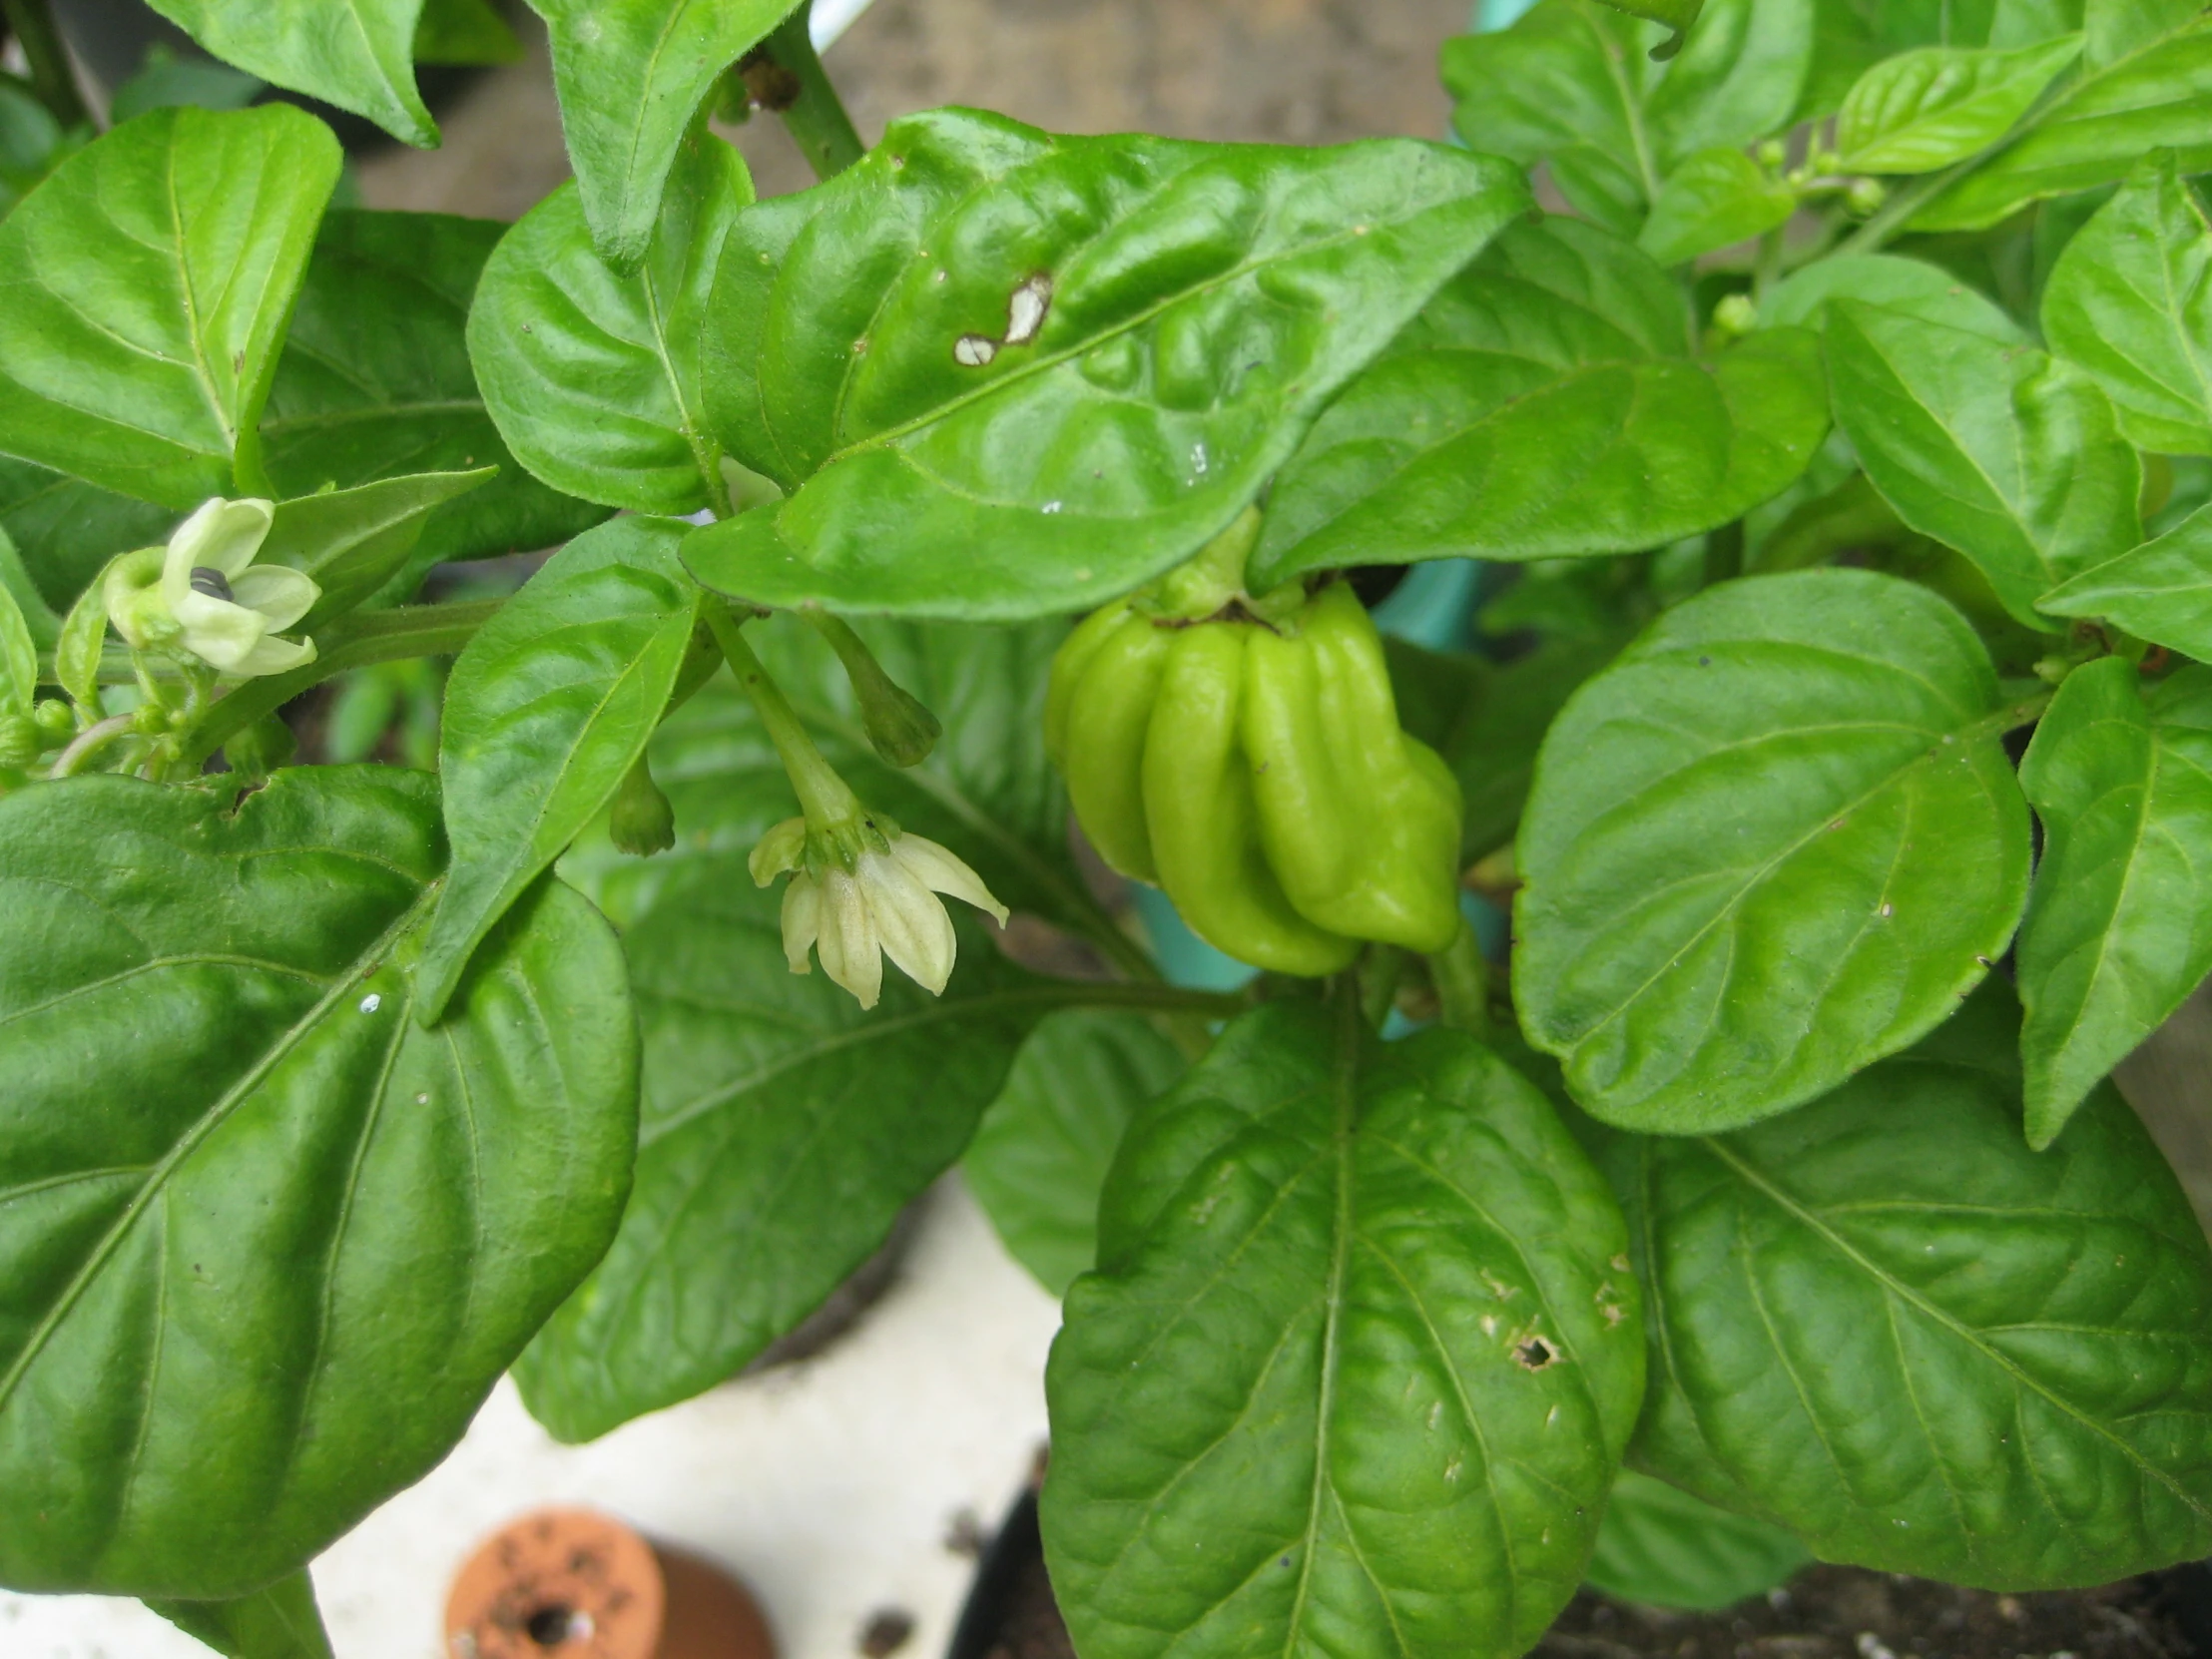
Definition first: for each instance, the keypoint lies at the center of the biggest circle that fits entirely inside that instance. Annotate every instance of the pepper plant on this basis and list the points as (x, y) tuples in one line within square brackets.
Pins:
[(1828, 390)]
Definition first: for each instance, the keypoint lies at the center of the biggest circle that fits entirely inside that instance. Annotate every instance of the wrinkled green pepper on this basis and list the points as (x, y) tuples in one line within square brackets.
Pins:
[(1250, 762)]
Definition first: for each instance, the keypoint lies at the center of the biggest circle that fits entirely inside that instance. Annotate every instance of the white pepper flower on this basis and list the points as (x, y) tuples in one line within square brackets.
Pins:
[(217, 603)]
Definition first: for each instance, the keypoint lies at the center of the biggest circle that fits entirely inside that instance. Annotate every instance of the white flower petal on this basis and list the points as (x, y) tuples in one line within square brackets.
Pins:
[(221, 535), (846, 945), (222, 634), (801, 921), (274, 655), (282, 595), (910, 921), (938, 870)]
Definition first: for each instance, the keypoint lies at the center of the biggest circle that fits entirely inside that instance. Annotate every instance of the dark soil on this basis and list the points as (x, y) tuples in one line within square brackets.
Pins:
[(1825, 1613)]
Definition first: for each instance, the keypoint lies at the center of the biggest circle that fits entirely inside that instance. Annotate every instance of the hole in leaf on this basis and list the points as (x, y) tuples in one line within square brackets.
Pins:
[(1533, 1355)]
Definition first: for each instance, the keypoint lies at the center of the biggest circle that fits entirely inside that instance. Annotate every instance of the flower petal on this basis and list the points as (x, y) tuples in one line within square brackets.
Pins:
[(780, 850), (220, 633), (278, 592), (801, 921), (910, 921), (938, 869), (846, 945), (220, 535), (275, 656)]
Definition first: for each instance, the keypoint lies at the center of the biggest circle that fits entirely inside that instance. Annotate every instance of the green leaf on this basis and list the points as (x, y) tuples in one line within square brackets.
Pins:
[(1039, 1161), (1559, 292), (464, 32), (1479, 450), (2096, 131), (18, 656), (1199, 305), (631, 75), (354, 541), (356, 54), (2004, 452), (376, 384), (1662, 1548), (1677, 15), (1715, 198), (1354, 1372), (32, 143), (67, 531), (1737, 79), (1922, 111), (280, 1622), (2119, 925), (784, 1130), (2120, 27), (251, 1204), (1776, 840), (2160, 591), (38, 617), (594, 377), (143, 295), (1914, 286), (76, 649), (549, 706), (2129, 301), (166, 78), (1923, 1348)]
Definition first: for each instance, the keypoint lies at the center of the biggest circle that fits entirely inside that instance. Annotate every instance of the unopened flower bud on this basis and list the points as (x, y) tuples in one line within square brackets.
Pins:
[(641, 821), (1771, 152), (1866, 195), (1737, 315), (55, 722)]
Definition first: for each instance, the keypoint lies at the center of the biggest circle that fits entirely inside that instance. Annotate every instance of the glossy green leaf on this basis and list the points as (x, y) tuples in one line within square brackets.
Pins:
[(1662, 1548), (548, 707), (376, 384), (1472, 451), (1922, 111), (1738, 78), (250, 1206), (1129, 339), (2160, 591), (594, 377), (2159, 94), (354, 541), (67, 531), (1776, 840), (1923, 1348), (987, 790), (1677, 15), (631, 75), (1356, 1366), (38, 617), (2130, 300), (280, 1622), (784, 1130), (18, 659), (32, 143), (356, 54), (1914, 286), (143, 295), (1039, 1161), (76, 649), (1558, 292), (464, 32), (1715, 198), (168, 78), (2006, 453), (2118, 27), (2119, 926)]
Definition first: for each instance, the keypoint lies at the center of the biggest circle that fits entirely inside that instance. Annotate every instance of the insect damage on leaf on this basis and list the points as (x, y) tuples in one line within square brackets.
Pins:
[(1026, 310)]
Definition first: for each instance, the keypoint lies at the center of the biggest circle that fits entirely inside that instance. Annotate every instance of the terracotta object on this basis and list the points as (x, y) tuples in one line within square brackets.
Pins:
[(571, 1584)]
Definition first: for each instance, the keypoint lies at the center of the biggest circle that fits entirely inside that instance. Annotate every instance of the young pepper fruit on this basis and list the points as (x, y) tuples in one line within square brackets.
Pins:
[(1247, 756)]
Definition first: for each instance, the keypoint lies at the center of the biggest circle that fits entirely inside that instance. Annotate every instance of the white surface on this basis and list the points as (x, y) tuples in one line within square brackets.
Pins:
[(831, 18), (829, 1486)]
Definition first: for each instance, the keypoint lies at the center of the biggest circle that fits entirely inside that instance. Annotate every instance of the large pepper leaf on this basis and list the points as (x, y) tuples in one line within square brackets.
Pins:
[(1536, 412), (2006, 453), (1923, 1348), (784, 1132), (247, 1204), (1041, 1158), (1914, 286), (1662, 1548), (2160, 591), (1082, 371), (66, 531), (356, 54), (376, 384), (2119, 927), (354, 542), (1357, 1364), (593, 376), (1715, 198), (2154, 88), (1922, 111), (1737, 79), (548, 708), (2130, 300), (1776, 840), (280, 1622), (630, 74), (144, 290)]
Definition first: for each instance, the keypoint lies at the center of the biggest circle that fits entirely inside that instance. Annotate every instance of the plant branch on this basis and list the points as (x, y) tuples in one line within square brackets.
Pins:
[(824, 796), (52, 77), (813, 114), (357, 641)]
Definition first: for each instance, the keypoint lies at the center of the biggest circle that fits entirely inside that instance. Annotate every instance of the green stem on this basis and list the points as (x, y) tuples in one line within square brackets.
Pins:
[(1724, 553), (824, 796), (816, 118), (359, 641), (90, 742), (1462, 981), (52, 78)]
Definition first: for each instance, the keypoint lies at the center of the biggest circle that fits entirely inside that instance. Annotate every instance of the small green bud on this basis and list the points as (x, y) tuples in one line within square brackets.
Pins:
[(641, 821), (150, 719), (1773, 153), (900, 729), (1865, 195), (19, 742), (55, 723), (261, 748), (132, 590), (1737, 315)]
